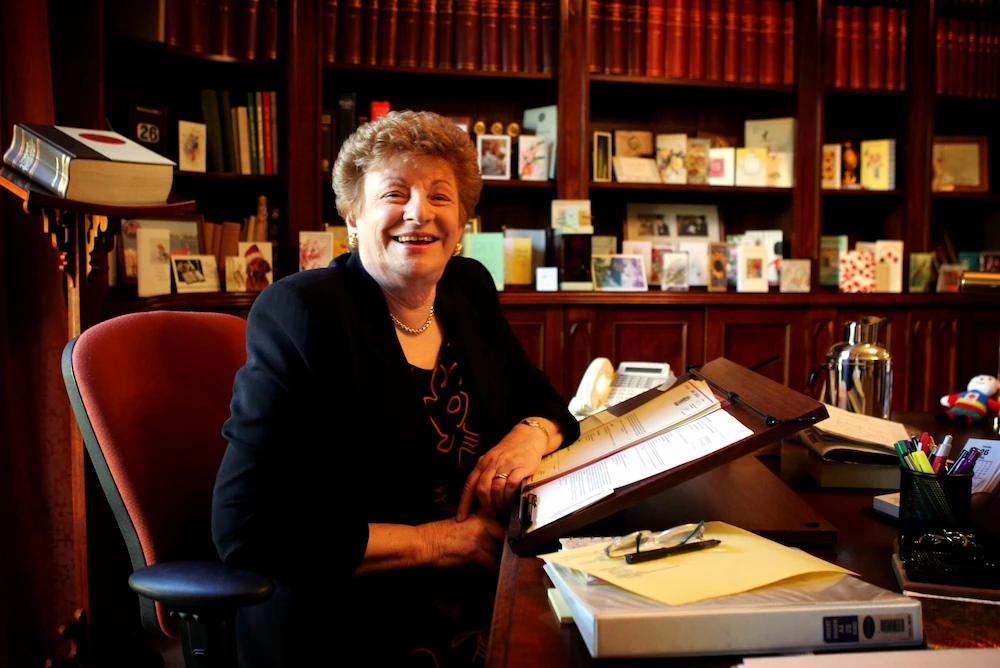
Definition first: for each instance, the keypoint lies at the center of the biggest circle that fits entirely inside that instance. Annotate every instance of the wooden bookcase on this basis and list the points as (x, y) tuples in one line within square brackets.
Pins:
[(939, 340)]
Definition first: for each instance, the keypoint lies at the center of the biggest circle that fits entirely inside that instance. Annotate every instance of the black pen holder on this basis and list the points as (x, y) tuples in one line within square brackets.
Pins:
[(937, 541)]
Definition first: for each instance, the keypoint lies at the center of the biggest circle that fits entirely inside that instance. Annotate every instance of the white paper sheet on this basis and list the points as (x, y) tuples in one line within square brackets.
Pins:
[(684, 402), (694, 440)]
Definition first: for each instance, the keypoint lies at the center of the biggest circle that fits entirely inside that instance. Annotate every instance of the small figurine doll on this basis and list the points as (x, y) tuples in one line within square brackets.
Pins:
[(974, 404)]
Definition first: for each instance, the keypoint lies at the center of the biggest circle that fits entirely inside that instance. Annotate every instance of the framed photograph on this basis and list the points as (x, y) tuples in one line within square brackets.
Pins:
[(195, 273), (618, 273), (192, 144), (494, 156), (602, 157), (184, 240), (658, 222), (989, 261), (960, 164)]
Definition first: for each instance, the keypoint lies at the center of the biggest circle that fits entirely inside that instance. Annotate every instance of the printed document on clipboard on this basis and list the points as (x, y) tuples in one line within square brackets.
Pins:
[(678, 426)]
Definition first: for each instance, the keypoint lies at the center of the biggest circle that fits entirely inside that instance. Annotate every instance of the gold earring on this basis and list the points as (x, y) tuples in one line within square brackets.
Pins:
[(352, 240), (458, 249)]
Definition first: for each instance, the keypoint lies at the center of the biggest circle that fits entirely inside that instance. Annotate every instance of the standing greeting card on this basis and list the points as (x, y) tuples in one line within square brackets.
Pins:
[(674, 272), (698, 160), (889, 266), (671, 158), (751, 269), (533, 158), (795, 275), (921, 271), (857, 271), (718, 257)]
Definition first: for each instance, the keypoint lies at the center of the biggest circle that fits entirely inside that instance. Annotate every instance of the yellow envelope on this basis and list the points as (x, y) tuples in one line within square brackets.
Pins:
[(743, 561)]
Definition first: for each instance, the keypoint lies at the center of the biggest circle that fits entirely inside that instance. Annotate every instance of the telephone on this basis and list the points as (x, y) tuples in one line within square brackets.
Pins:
[(602, 386)]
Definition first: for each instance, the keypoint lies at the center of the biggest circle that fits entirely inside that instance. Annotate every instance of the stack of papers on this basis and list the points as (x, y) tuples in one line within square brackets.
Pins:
[(852, 437), (676, 427), (747, 595)]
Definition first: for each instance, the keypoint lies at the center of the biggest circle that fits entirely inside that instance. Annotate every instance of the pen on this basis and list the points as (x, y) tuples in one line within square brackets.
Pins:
[(653, 555), (970, 461), (922, 443), (941, 456), (958, 463)]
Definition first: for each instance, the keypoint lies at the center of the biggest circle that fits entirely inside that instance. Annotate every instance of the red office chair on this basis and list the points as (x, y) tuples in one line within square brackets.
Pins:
[(150, 392)]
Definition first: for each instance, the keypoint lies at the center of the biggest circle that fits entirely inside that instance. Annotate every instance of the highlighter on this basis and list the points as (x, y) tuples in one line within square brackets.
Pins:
[(920, 459)]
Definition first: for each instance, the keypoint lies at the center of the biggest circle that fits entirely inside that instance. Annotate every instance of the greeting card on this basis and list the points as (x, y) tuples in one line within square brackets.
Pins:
[(857, 271)]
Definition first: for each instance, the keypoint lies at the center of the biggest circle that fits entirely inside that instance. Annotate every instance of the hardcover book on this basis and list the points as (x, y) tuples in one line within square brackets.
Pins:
[(89, 165)]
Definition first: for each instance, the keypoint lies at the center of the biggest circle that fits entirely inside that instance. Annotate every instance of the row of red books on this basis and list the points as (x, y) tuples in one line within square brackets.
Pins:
[(239, 28), (866, 46), (967, 56), (489, 35), (751, 41)]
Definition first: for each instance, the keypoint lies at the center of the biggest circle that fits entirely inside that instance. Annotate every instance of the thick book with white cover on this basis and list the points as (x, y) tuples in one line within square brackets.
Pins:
[(96, 166), (830, 613)]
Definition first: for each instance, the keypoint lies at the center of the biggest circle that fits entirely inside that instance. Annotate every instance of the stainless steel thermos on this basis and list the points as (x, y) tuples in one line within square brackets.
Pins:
[(859, 371)]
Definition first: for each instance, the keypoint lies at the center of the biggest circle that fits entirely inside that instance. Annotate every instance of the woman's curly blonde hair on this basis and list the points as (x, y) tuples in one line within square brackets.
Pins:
[(407, 134)]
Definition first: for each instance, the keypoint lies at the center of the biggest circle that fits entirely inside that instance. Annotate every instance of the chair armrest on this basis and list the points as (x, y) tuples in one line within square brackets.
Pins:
[(200, 585)]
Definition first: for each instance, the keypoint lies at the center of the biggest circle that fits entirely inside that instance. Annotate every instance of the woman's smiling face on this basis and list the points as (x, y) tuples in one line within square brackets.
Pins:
[(409, 224)]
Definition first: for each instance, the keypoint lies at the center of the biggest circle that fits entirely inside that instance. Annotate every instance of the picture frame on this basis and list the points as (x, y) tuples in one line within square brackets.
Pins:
[(949, 278), (494, 156), (659, 222), (602, 157), (618, 273), (960, 164), (195, 273), (185, 239), (989, 261)]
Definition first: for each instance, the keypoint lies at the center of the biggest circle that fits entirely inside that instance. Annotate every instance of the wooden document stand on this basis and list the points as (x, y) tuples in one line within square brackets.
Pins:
[(771, 410)]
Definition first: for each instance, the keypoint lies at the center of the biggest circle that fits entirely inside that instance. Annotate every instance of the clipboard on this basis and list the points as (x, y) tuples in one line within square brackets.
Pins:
[(769, 409)]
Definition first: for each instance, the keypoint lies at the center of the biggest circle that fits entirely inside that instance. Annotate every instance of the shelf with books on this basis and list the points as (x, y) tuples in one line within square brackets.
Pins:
[(602, 79), (181, 175), (438, 72)]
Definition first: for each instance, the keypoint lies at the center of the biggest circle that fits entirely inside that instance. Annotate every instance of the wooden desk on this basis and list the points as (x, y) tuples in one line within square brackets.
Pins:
[(525, 632)]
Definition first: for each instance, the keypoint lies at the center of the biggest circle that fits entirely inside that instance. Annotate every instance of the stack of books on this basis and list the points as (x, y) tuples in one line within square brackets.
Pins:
[(94, 166)]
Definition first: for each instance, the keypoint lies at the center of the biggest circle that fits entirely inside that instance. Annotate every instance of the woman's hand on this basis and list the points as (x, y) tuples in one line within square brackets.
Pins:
[(498, 473), (453, 543)]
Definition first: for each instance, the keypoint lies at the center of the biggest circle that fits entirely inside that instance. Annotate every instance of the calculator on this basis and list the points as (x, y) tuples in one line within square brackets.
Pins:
[(633, 378)]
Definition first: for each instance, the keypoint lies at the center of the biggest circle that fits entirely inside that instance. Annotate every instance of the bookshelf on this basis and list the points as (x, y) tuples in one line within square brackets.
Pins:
[(593, 98)]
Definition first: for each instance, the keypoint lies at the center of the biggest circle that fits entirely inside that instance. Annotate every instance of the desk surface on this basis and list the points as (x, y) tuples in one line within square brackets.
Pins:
[(525, 632)]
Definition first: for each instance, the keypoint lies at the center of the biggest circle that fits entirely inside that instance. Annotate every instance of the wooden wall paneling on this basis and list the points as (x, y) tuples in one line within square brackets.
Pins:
[(932, 359), (661, 334), (539, 329), (917, 166), (573, 162), (821, 331), (807, 220), (749, 336), (300, 154), (579, 346), (980, 352)]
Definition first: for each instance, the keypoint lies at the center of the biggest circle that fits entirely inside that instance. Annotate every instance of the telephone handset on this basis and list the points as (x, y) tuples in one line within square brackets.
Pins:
[(602, 387)]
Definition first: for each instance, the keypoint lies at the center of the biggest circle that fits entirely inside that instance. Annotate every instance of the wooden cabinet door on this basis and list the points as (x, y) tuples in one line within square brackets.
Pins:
[(932, 359), (578, 343), (674, 335), (752, 334), (539, 329), (980, 352)]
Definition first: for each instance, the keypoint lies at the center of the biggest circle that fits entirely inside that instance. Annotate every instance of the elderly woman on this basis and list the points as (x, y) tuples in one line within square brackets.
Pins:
[(383, 423)]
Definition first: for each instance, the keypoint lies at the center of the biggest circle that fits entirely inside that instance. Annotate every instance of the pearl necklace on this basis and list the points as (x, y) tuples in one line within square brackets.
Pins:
[(411, 330)]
